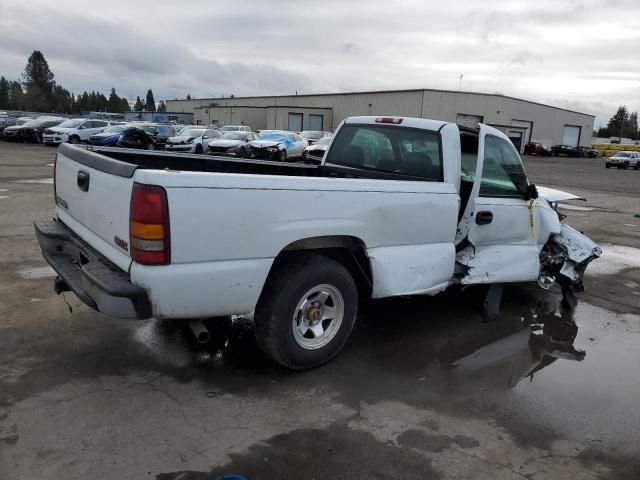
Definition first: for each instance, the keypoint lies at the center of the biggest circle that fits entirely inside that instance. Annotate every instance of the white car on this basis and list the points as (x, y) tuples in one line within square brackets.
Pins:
[(400, 206), (232, 143), (191, 140), (74, 131), (278, 145), (624, 160), (313, 136), (315, 151), (235, 128)]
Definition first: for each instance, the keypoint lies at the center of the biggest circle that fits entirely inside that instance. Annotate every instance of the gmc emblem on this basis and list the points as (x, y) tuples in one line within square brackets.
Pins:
[(121, 243)]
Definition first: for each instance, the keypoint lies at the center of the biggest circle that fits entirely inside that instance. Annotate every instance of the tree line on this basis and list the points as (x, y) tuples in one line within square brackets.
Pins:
[(622, 124), (38, 91)]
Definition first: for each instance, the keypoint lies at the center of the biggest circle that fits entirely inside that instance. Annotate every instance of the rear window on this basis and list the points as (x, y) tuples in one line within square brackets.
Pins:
[(402, 150)]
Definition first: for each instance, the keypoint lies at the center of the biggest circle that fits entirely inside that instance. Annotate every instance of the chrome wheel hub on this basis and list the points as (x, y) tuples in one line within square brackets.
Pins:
[(318, 317)]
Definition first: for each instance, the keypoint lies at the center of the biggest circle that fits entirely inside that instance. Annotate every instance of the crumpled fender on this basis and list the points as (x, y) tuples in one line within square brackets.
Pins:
[(580, 250)]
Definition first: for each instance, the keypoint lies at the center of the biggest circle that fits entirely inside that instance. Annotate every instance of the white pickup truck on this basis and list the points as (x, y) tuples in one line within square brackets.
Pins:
[(398, 206)]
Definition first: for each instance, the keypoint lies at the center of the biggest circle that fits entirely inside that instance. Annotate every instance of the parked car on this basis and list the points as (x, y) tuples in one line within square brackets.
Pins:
[(558, 150), (624, 160), (277, 145), (108, 137), (232, 143), (587, 152), (315, 152), (536, 148), (298, 245), (312, 136), (31, 131), (75, 130), (235, 128), (6, 122), (149, 136), (191, 140)]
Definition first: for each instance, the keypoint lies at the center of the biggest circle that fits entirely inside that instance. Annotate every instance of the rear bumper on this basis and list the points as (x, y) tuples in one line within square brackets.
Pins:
[(94, 279)]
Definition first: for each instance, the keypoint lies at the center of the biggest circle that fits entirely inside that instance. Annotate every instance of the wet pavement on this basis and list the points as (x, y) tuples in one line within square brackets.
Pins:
[(423, 389)]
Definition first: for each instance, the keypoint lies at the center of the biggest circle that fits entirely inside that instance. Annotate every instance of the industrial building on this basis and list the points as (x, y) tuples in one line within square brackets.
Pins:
[(522, 120)]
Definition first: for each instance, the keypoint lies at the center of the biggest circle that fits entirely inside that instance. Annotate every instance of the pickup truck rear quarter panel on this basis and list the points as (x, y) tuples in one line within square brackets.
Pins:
[(224, 253)]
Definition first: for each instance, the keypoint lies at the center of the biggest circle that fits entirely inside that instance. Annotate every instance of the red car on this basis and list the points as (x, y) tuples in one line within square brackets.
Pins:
[(535, 148)]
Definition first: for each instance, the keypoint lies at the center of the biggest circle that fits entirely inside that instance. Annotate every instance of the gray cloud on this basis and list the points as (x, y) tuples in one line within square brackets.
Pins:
[(573, 53)]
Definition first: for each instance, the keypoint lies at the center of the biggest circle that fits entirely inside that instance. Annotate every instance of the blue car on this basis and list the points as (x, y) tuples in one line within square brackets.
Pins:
[(109, 136)]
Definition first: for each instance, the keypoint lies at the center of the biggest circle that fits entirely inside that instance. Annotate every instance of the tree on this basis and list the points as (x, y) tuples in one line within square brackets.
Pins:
[(16, 96), (38, 81), (124, 105), (162, 107), (150, 103), (4, 93), (616, 123), (138, 107), (631, 127), (113, 104), (188, 96)]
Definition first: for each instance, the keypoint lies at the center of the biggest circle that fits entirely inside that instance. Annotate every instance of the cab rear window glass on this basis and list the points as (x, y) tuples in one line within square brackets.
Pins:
[(401, 150)]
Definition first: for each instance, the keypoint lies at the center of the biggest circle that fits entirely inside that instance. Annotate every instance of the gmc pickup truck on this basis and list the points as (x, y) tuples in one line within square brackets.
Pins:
[(398, 206)]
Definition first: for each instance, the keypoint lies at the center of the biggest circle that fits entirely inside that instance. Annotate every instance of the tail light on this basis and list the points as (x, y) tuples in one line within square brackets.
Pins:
[(391, 120), (149, 225)]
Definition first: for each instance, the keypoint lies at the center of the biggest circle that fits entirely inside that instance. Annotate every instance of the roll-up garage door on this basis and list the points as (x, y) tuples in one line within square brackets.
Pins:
[(295, 122), (571, 135), (315, 122)]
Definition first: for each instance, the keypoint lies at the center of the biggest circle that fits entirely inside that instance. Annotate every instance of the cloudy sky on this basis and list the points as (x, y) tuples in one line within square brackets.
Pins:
[(578, 54)]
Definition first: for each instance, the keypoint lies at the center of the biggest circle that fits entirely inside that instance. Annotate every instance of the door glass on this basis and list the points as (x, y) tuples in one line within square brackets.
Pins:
[(502, 173)]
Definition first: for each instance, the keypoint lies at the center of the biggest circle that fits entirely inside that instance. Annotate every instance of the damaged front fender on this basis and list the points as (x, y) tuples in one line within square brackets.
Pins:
[(566, 256)]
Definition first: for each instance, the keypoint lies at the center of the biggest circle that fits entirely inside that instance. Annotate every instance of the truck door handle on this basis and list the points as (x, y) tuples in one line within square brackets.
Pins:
[(83, 180), (484, 218)]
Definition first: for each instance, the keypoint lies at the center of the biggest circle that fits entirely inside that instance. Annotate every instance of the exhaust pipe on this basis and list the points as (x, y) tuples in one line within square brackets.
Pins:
[(201, 332)]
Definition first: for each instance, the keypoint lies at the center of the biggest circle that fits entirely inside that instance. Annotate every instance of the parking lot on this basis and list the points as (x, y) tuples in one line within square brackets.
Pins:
[(422, 390)]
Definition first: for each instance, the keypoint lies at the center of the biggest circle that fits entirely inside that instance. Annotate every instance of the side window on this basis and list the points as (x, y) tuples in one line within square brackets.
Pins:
[(407, 151), (502, 173)]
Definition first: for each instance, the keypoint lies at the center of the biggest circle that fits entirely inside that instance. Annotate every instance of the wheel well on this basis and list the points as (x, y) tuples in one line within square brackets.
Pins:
[(351, 252)]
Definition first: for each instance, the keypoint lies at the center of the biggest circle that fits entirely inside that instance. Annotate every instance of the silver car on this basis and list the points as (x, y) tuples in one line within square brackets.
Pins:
[(624, 160)]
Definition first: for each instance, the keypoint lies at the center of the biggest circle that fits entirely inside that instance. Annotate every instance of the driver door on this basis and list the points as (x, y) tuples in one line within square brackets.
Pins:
[(498, 228)]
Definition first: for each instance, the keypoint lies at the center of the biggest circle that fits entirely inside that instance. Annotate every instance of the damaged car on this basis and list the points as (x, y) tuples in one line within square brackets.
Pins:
[(191, 140), (233, 143), (277, 146), (398, 206)]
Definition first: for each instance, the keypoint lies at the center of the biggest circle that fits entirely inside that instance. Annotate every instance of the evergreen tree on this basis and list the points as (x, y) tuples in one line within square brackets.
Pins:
[(138, 107), (114, 104), (38, 81), (631, 127), (16, 96), (124, 105), (4, 93), (150, 103), (616, 123), (162, 107), (188, 96)]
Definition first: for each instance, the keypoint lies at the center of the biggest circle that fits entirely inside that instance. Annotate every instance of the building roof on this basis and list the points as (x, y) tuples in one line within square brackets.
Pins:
[(409, 90)]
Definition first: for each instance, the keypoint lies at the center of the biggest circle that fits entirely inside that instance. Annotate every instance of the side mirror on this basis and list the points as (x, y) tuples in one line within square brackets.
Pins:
[(532, 192)]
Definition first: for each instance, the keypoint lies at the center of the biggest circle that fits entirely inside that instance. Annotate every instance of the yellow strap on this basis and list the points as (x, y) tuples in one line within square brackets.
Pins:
[(531, 225)]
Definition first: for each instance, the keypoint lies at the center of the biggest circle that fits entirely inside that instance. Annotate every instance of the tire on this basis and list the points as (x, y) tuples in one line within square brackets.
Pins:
[(242, 153), (607, 165), (636, 166), (625, 165), (283, 327), (151, 146), (74, 139), (619, 167), (282, 156), (198, 148)]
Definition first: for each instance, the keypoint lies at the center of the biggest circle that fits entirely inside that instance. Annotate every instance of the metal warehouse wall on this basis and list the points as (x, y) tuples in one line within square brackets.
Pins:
[(540, 122)]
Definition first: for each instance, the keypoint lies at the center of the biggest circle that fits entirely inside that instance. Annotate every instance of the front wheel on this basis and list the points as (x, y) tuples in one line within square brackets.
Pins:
[(607, 165), (282, 156), (198, 148), (242, 153), (625, 165), (306, 311), (74, 140), (151, 146)]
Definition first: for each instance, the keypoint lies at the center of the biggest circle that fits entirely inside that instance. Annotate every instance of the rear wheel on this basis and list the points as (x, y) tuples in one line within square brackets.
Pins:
[(306, 311)]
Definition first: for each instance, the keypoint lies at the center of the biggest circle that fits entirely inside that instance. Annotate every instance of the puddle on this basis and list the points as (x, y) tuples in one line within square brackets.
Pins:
[(614, 259), (566, 206), (41, 180), (36, 272)]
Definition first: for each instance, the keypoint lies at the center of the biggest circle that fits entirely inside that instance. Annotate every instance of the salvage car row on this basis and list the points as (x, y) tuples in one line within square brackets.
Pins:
[(234, 140)]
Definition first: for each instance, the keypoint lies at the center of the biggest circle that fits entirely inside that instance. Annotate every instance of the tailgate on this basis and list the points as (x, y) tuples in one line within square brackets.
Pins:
[(95, 191)]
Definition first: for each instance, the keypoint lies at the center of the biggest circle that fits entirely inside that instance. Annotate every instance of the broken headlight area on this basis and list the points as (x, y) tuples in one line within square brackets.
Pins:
[(565, 258), (268, 153)]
